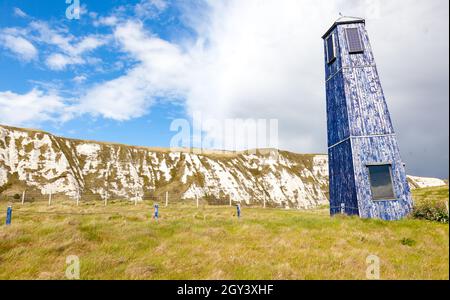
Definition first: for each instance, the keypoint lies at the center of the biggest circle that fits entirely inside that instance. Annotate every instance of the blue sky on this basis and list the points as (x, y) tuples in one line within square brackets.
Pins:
[(22, 75), (125, 70)]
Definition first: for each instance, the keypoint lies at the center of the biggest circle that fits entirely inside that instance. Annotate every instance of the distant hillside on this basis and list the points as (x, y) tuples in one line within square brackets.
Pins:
[(46, 163)]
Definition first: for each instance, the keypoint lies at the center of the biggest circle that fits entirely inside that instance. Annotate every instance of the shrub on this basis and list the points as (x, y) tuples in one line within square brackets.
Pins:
[(432, 211), (16, 196), (408, 242)]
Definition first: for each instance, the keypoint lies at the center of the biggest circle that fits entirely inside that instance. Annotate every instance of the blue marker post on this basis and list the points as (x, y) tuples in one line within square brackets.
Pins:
[(156, 215), (8, 215), (238, 209)]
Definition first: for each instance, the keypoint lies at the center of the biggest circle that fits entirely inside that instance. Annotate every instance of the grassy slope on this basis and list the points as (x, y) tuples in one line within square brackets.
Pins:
[(439, 194), (209, 153), (209, 243)]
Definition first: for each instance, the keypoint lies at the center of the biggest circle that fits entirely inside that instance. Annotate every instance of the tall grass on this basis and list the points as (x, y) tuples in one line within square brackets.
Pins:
[(122, 241)]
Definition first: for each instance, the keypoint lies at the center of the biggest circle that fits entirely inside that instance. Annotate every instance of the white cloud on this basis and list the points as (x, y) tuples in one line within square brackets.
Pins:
[(120, 99), (106, 21), (50, 36), (74, 53), (150, 8), (143, 10), (80, 79), (20, 13), (70, 50), (159, 4), (30, 108), (23, 48), (87, 44), (59, 61), (249, 62), (64, 49), (160, 73), (264, 60)]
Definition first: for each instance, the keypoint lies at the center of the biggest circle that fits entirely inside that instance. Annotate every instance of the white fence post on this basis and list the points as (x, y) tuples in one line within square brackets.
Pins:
[(50, 199), (196, 199), (167, 199), (78, 199), (230, 201), (23, 197)]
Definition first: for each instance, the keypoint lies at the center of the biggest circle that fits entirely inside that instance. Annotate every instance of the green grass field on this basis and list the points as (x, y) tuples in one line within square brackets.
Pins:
[(121, 241)]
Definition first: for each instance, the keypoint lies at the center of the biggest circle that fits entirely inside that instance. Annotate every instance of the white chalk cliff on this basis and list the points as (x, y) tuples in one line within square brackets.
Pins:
[(50, 164)]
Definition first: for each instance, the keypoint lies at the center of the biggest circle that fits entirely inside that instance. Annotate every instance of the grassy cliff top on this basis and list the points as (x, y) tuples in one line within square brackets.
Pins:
[(205, 152)]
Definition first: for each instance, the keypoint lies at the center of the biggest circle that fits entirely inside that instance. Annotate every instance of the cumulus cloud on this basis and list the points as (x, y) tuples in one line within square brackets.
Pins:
[(62, 48), (59, 61), (160, 72), (73, 54), (69, 49), (20, 46), (120, 99), (30, 108)]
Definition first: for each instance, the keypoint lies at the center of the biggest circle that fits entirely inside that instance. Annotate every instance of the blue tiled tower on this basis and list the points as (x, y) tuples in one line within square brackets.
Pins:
[(367, 175)]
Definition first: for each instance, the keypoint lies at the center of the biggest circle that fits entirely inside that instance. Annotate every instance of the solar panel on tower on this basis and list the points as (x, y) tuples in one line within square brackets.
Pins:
[(354, 40)]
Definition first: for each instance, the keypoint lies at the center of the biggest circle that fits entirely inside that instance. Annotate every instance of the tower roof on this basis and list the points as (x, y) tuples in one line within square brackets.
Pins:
[(344, 20)]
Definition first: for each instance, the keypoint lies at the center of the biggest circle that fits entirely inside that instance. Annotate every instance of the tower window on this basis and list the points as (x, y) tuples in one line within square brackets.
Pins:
[(354, 41), (331, 49), (381, 182)]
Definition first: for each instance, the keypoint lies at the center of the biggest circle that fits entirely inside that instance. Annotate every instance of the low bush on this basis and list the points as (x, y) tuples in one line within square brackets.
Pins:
[(408, 242), (432, 211)]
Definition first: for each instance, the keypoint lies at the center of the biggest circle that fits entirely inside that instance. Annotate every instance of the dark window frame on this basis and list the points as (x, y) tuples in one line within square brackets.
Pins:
[(391, 179), (361, 50), (333, 42)]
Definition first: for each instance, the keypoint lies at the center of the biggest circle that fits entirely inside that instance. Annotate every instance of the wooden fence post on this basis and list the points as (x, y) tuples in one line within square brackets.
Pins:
[(23, 197), (196, 198), (167, 199), (50, 199)]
